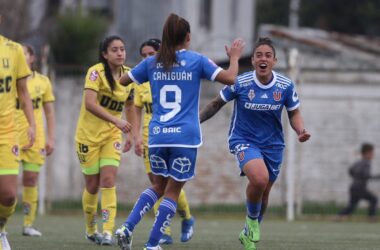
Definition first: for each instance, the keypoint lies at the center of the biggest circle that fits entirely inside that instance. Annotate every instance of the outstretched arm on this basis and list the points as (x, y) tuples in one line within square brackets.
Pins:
[(296, 121), (211, 109)]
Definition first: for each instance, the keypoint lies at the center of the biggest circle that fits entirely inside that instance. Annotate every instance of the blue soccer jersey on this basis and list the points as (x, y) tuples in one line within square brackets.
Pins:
[(175, 96), (257, 109)]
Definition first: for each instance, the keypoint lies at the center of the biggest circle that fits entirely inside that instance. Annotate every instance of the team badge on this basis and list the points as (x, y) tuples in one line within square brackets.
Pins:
[(183, 63), (117, 145), (277, 96), (42, 152), (241, 156), (251, 94), (15, 150), (105, 215), (94, 75)]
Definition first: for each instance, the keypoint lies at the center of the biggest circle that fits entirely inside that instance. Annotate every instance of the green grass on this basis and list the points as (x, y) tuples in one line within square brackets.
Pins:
[(211, 232)]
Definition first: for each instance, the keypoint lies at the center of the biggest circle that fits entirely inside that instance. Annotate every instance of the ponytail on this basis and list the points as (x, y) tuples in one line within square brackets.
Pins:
[(173, 34)]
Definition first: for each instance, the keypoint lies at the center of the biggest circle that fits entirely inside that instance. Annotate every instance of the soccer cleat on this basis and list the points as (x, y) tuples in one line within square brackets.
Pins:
[(4, 244), (107, 240), (252, 229), (187, 229), (124, 238), (31, 231), (152, 248), (95, 238), (246, 242), (166, 239)]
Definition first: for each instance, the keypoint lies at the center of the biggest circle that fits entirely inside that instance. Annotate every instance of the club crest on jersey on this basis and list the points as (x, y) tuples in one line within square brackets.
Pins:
[(42, 152), (117, 145), (94, 75), (241, 156), (277, 96), (15, 150), (105, 215), (251, 94)]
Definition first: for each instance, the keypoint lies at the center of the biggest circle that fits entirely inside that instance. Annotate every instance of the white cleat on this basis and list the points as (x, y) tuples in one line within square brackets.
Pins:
[(31, 231)]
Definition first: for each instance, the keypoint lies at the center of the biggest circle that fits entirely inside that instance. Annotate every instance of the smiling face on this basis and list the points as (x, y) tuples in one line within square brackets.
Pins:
[(115, 54), (263, 60)]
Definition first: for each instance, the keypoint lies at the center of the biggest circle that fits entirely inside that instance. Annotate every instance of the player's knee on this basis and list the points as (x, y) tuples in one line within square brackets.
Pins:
[(159, 189), (8, 199)]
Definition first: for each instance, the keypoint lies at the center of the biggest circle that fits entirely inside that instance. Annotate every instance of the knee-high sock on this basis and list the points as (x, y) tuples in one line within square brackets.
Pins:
[(168, 230), (144, 203), (29, 203), (90, 207), (183, 206), (164, 215), (253, 210), (109, 206), (5, 213)]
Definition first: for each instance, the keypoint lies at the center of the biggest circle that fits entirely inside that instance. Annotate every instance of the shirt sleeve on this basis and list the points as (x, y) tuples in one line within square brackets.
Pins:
[(22, 67), (131, 91), (92, 79), (137, 98), (228, 93), (48, 95), (139, 74), (209, 69), (292, 101)]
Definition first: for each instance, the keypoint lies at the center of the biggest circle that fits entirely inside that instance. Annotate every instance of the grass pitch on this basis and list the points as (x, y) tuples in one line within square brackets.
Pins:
[(211, 232)]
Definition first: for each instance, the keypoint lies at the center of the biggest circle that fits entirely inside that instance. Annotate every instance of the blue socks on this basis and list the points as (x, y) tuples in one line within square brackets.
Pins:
[(164, 215), (253, 210), (145, 202)]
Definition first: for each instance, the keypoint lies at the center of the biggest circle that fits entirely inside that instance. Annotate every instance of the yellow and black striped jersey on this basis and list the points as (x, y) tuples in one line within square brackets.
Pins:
[(13, 66)]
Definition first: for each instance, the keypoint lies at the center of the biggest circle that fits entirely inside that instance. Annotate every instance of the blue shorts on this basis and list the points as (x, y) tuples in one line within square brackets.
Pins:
[(272, 158), (178, 163)]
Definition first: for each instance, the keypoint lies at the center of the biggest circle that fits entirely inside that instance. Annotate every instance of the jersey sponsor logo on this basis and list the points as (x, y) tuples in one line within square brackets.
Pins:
[(256, 106), (295, 96), (157, 162), (94, 75), (251, 94), (181, 164), (277, 96), (15, 150), (108, 103), (171, 130), (5, 84), (105, 215), (245, 84), (281, 85), (117, 146)]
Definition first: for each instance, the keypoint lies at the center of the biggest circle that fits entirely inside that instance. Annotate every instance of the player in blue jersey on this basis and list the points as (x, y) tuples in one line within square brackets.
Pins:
[(256, 137), (175, 75)]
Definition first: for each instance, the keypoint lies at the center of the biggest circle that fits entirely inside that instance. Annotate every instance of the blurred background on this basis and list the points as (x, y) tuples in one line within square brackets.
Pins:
[(329, 48)]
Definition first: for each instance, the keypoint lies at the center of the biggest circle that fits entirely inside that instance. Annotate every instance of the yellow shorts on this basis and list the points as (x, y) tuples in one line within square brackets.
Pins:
[(9, 161), (146, 160), (35, 155), (93, 157)]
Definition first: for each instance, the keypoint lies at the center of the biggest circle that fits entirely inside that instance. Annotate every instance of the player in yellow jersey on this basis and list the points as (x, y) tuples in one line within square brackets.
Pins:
[(143, 101), (41, 93), (13, 73), (99, 134)]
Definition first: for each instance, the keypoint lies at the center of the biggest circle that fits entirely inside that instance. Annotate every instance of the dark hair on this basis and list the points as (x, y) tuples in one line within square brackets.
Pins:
[(366, 147), (103, 49), (173, 34), (264, 41), (153, 42), (31, 51)]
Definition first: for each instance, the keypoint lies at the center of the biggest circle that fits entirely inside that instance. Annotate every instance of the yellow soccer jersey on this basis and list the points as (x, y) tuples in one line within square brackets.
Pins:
[(91, 129), (40, 91), (12, 67), (143, 99)]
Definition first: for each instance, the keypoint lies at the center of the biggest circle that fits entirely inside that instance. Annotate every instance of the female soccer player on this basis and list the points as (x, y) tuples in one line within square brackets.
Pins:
[(98, 136), (256, 138), (13, 73), (41, 93), (174, 131), (143, 100)]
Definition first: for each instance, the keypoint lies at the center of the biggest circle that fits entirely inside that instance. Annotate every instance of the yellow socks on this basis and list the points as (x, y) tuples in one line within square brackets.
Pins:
[(90, 207), (183, 206), (5, 213), (108, 202), (29, 204)]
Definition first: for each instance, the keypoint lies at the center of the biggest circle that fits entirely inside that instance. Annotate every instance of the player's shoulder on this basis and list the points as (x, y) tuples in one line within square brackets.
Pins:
[(99, 67), (126, 68), (41, 77), (12, 45), (282, 81), (245, 79)]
